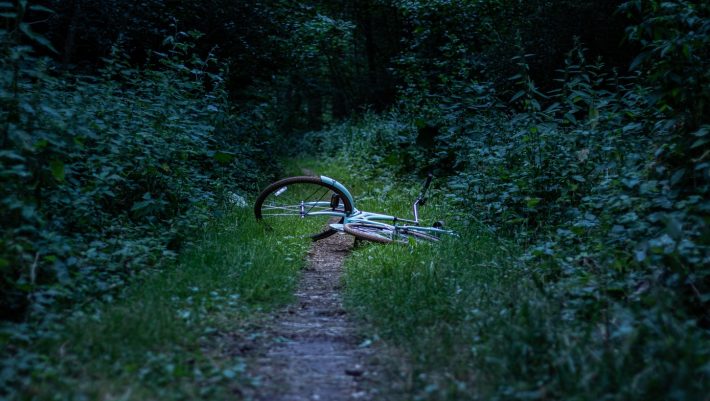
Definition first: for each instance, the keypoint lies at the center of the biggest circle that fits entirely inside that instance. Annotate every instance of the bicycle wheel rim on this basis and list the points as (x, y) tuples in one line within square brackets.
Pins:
[(300, 205)]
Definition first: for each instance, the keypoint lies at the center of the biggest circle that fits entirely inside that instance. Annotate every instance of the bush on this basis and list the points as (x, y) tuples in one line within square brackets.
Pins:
[(103, 177)]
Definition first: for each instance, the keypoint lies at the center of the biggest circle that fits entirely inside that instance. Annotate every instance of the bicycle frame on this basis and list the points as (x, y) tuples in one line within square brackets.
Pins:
[(377, 219)]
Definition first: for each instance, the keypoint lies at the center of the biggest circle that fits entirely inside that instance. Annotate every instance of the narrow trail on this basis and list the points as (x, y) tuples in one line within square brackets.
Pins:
[(314, 352)]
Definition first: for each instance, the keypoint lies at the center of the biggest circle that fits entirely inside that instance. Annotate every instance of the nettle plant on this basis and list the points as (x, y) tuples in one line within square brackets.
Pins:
[(675, 60), (105, 176), (544, 159)]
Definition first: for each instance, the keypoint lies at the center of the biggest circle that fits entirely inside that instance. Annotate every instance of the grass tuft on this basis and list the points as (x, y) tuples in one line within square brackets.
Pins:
[(164, 338), (477, 321)]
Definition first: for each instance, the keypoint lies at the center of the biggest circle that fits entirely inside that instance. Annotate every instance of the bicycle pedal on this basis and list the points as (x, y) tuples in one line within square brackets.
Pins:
[(438, 224)]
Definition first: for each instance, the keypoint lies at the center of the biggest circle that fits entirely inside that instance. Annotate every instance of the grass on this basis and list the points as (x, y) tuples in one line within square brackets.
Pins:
[(478, 321), (472, 317), (420, 299), (175, 334), (169, 336)]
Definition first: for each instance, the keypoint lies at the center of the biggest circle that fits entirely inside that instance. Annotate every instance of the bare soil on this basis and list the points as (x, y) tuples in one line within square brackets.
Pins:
[(312, 350)]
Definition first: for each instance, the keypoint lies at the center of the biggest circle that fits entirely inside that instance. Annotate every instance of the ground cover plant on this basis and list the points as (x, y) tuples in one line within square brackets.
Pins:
[(175, 334), (105, 179), (477, 326), (486, 317), (93, 165)]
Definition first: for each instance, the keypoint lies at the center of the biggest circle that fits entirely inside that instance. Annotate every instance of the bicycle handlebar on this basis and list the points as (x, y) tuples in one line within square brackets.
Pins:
[(422, 194), (421, 199)]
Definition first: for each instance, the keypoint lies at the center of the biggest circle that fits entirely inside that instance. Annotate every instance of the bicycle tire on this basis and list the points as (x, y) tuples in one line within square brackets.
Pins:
[(261, 211), (385, 234)]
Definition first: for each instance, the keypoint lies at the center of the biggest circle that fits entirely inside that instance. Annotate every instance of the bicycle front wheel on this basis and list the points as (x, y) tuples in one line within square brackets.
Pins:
[(303, 204), (386, 234)]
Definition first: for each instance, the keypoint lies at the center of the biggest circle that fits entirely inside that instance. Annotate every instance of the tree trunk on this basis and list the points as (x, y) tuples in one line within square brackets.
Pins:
[(70, 42)]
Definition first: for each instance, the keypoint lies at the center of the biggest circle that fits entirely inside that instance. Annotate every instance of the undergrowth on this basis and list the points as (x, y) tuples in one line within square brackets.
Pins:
[(176, 334), (599, 184), (475, 323), (103, 177), (104, 181), (483, 317)]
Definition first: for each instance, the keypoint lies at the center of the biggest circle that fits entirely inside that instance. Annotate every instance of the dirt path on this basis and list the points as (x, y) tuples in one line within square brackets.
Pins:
[(314, 352)]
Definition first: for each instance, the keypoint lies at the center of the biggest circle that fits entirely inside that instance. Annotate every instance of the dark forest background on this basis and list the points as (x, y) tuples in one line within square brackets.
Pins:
[(325, 61)]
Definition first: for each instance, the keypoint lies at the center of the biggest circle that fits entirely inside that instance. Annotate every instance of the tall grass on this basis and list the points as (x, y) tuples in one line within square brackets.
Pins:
[(477, 321), (488, 317), (169, 336)]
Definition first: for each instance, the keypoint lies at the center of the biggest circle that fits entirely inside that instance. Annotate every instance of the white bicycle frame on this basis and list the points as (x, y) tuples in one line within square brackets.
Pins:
[(369, 218)]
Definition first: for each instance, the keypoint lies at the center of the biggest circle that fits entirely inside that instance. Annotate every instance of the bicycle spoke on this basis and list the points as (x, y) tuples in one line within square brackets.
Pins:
[(319, 199), (293, 208), (305, 202)]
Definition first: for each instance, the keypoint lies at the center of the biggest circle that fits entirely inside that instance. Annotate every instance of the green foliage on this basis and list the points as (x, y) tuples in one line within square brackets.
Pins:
[(608, 282), (598, 176), (477, 324), (176, 334), (322, 50), (675, 36), (105, 176), (477, 40), (476, 318), (581, 175)]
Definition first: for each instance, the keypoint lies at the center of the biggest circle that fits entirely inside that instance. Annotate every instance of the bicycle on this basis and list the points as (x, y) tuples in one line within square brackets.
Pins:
[(327, 207)]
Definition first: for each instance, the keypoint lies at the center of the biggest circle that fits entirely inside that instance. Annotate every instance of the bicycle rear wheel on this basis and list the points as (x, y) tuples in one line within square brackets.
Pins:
[(386, 234), (302, 204)]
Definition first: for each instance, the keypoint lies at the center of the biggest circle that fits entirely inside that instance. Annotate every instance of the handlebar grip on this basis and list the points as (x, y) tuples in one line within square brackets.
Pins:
[(429, 177)]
